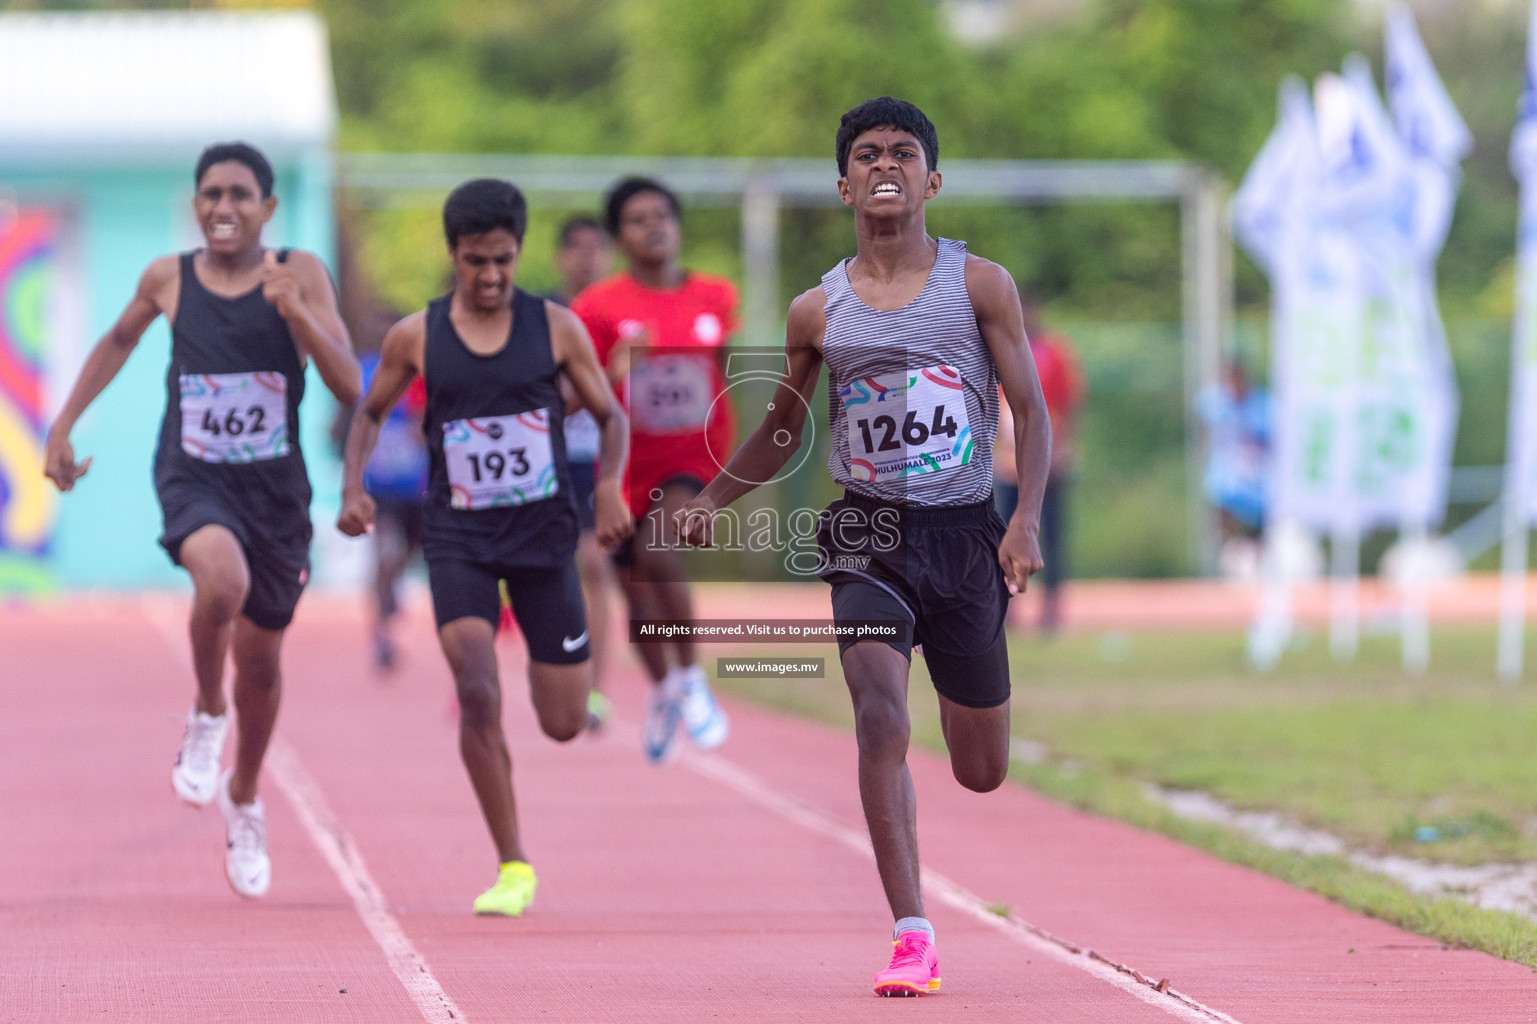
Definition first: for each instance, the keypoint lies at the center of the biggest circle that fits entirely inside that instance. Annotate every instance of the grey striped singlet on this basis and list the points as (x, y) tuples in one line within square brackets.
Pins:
[(869, 350)]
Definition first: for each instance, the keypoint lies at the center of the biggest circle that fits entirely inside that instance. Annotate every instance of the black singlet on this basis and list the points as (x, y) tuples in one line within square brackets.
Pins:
[(214, 336), (521, 377)]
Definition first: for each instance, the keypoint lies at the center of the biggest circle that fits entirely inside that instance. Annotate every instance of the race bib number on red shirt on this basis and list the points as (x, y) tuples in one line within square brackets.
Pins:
[(906, 423), (499, 461), (234, 417), (671, 393)]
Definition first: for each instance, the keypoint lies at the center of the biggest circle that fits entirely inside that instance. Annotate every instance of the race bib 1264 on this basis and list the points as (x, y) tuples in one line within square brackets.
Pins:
[(907, 423), (234, 417), (497, 461)]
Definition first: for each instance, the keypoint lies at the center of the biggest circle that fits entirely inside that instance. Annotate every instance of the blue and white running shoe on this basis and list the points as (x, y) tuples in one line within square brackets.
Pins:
[(659, 732), (706, 723)]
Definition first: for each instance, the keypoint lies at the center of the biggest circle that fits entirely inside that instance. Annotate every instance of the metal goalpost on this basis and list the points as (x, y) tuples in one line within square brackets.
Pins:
[(761, 189)]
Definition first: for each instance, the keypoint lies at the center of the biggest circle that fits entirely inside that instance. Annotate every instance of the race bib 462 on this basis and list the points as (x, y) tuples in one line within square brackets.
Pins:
[(234, 417), (907, 423), (497, 461)]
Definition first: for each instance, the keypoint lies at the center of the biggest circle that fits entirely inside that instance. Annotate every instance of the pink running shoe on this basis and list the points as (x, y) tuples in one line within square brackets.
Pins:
[(914, 968)]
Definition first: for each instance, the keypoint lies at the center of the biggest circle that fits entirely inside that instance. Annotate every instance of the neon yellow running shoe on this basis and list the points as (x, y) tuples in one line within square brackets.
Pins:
[(512, 893), (598, 708)]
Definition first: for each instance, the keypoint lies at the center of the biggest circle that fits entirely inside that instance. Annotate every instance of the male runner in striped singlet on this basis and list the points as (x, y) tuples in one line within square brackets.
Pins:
[(499, 505), (229, 472), (917, 335)]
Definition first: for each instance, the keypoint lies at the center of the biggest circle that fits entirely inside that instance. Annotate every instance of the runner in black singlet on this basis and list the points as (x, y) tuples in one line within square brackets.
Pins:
[(917, 335), (499, 495), (229, 471)]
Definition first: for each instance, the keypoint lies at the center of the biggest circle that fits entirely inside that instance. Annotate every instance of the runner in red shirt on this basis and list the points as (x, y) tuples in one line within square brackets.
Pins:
[(661, 332)]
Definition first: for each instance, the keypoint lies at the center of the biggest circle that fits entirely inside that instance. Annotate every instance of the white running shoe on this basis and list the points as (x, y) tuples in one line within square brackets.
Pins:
[(195, 776), (246, 863), (659, 732), (706, 723)]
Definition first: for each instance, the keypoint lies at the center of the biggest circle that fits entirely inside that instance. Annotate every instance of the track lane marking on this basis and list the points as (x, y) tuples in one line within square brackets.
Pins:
[(340, 851), (337, 848), (1155, 993)]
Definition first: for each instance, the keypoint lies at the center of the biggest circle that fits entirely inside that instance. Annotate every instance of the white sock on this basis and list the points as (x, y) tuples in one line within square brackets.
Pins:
[(913, 924)]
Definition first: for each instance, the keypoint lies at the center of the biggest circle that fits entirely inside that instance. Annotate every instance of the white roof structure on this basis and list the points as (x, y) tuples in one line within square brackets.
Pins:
[(135, 86)]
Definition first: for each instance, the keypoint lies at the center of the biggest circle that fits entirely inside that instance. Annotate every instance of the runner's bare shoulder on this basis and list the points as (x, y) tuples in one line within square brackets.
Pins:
[(986, 279), (160, 282), (807, 320), (562, 319), (309, 268), (406, 342), (566, 330)]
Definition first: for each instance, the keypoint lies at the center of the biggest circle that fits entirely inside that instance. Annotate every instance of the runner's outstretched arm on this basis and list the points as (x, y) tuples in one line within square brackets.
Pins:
[(579, 367), (103, 364), (996, 302), (400, 360), (300, 287), (778, 437)]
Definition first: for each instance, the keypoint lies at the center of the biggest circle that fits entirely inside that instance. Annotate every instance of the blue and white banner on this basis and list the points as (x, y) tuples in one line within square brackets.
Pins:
[(1405, 400), (1347, 218), (1521, 444), (1437, 140)]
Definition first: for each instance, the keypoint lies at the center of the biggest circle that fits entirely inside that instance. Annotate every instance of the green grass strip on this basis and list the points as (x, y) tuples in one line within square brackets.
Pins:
[(1445, 919)]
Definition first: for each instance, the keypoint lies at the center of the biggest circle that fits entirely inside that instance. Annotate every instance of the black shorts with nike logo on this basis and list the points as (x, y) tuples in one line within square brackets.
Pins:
[(935, 569), (546, 601)]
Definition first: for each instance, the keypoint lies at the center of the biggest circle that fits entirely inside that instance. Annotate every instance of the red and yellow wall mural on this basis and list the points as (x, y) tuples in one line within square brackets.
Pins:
[(29, 246)]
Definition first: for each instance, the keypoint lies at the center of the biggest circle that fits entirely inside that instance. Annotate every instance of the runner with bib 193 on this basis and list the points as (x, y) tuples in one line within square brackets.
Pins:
[(499, 505)]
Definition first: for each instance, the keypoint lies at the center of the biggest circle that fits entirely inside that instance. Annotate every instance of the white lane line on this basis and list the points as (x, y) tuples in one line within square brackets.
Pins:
[(336, 846), (341, 852), (1153, 992)]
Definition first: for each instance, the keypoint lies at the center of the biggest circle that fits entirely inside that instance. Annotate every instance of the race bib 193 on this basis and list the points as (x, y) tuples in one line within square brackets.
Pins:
[(671, 394), (234, 417), (497, 461), (907, 423)]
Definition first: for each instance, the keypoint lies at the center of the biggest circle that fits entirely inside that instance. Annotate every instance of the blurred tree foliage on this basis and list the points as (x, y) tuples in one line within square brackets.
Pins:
[(1176, 79), (1189, 79)]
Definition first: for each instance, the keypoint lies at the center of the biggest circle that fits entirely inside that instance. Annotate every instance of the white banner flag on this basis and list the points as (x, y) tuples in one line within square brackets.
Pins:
[(1370, 188), (1437, 140), (1521, 444), (1315, 313)]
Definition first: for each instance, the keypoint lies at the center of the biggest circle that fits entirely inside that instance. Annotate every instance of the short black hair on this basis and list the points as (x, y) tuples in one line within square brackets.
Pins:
[(629, 188), (885, 112), (579, 222), (240, 153), (482, 205)]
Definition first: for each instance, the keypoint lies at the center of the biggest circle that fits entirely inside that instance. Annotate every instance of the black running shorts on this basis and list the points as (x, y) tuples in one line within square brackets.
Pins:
[(584, 477), (276, 547), (934, 568), (623, 554), (547, 603)]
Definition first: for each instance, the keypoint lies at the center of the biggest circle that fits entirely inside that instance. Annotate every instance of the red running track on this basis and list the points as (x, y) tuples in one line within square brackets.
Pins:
[(735, 887)]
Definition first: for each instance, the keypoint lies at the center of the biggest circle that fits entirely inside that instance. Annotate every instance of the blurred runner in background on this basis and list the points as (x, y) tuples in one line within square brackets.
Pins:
[(583, 256), (1236, 417), (661, 331), (396, 477), (1062, 384)]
